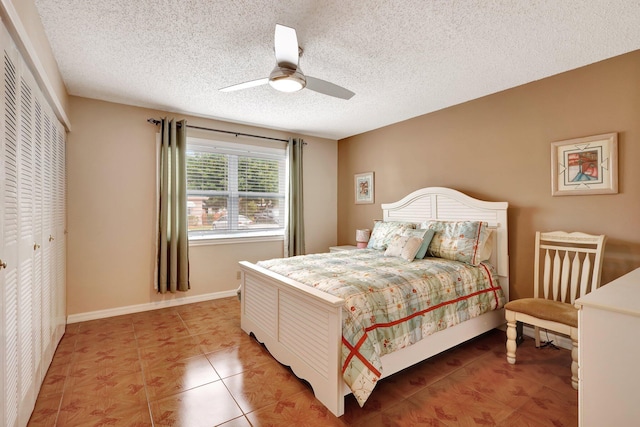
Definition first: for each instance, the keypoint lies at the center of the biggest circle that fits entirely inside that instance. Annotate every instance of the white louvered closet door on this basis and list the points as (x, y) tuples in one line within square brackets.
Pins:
[(59, 237), (48, 295), (32, 243), (55, 226), (9, 254), (26, 249), (38, 239)]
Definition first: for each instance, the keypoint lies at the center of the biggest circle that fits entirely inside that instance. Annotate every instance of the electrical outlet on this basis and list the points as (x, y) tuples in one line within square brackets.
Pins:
[(238, 275)]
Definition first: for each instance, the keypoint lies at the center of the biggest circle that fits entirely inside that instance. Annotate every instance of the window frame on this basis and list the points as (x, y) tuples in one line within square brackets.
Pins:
[(235, 150)]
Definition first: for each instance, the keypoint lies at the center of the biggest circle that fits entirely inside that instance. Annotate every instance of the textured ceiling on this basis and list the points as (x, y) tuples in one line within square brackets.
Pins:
[(402, 58)]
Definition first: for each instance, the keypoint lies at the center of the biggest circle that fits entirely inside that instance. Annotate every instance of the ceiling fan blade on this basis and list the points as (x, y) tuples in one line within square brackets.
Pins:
[(327, 88), (286, 47), (246, 85)]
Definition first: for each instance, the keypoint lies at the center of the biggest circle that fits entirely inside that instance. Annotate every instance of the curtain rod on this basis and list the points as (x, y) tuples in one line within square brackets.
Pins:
[(157, 122)]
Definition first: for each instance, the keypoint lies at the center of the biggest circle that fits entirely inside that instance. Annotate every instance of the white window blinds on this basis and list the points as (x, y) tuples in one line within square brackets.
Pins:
[(234, 189)]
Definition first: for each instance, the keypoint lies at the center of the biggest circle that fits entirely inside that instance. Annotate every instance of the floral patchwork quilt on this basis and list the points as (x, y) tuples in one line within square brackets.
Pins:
[(391, 303)]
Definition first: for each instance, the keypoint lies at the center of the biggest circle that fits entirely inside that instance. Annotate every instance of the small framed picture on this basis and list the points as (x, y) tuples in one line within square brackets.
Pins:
[(364, 187), (584, 166)]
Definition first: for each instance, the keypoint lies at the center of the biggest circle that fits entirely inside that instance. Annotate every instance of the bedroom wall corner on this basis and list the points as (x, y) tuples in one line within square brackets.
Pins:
[(498, 148), (110, 197)]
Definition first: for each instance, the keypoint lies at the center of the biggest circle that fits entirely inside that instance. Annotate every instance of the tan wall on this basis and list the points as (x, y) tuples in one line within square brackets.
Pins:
[(497, 148), (110, 205)]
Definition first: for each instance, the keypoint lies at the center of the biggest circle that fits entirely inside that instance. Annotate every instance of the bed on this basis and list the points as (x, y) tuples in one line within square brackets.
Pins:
[(302, 326)]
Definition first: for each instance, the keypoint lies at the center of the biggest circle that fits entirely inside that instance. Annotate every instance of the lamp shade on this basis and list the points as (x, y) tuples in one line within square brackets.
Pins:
[(287, 80), (362, 237)]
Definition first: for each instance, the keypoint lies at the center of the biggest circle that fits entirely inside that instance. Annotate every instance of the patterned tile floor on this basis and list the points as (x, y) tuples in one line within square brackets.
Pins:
[(193, 366)]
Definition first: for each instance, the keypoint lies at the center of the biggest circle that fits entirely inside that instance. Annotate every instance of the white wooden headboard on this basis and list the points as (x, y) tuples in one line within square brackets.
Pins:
[(438, 203)]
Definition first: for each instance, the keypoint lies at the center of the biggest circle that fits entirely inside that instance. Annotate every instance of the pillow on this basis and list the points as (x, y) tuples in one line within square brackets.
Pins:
[(405, 247), (485, 252), (383, 232), (426, 235), (459, 240)]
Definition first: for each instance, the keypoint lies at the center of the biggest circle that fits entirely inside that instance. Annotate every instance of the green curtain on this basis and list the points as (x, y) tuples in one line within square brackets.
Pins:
[(294, 233), (173, 245)]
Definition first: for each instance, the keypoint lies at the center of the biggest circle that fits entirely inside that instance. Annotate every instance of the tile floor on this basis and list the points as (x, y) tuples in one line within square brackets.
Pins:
[(193, 366)]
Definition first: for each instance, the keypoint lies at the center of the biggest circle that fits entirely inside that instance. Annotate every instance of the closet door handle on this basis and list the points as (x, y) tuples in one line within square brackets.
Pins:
[(51, 239), (36, 246), (2, 264)]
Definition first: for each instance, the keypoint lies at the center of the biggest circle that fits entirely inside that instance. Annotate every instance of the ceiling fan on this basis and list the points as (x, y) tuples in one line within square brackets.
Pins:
[(287, 75)]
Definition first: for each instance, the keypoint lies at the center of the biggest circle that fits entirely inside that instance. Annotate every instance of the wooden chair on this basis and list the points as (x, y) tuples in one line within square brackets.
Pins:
[(570, 264)]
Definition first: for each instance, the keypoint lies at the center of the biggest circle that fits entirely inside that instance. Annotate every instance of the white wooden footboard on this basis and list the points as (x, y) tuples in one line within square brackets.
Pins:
[(300, 326)]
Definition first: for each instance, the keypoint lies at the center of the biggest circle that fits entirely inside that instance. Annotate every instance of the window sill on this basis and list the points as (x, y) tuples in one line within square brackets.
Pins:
[(234, 239)]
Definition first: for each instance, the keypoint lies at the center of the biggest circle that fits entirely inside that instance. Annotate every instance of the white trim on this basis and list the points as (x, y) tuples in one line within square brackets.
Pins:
[(118, 311), (558, 340), (230, 240), (25, 46)]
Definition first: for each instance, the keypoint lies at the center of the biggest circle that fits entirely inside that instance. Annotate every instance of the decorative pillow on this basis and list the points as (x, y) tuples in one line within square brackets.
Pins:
[(383, 232), (426, 235), (405, 247), (485, 252), (458, 240)]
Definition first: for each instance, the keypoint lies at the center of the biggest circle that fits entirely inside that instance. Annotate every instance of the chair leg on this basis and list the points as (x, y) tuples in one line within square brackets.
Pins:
[(536, 334), (574, 358), (519, 333), (511, 337)]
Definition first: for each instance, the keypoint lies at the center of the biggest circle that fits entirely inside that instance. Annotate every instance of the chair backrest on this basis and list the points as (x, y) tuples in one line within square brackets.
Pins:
[(567, 265)]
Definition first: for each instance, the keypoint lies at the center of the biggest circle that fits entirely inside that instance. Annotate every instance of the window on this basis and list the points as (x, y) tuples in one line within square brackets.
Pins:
[(234, 190)]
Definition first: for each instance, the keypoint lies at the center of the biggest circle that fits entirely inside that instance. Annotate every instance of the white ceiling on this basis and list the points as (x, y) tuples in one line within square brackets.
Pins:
[(402, 58)]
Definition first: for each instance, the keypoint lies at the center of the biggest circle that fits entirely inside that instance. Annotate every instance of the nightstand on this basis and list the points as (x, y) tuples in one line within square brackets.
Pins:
[(342, 248)]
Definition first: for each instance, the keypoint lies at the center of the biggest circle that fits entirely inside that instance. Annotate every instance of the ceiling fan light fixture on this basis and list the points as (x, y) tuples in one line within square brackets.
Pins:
[(287, 75), (287, 80)]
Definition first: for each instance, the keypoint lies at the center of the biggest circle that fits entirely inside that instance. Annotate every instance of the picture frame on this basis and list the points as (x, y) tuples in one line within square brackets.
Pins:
[(364, 191), (584, 166)]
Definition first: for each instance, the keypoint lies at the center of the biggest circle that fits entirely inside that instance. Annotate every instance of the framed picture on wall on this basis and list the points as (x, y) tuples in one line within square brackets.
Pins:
[(584, 166), (364, 187)]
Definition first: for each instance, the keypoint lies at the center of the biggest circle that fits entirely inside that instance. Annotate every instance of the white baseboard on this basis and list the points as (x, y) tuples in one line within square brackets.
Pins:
[(119, 311), (561, 341)]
